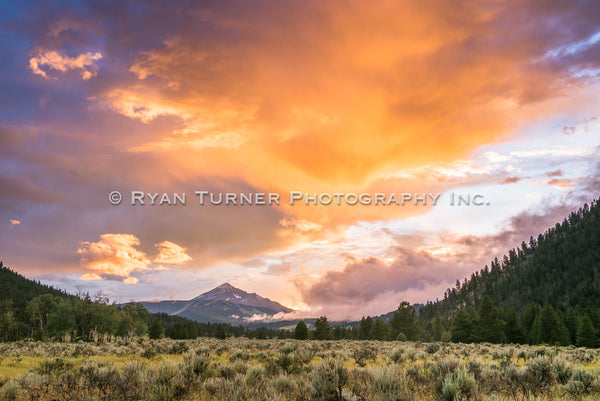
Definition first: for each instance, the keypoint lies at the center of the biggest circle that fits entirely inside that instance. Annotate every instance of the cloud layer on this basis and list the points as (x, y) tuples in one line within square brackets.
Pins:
[(309, 96)]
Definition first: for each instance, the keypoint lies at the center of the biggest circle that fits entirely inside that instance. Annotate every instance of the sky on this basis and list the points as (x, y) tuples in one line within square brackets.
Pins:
[(492, 101)]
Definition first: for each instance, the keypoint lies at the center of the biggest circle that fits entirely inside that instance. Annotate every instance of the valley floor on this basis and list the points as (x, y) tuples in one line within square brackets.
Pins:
[(242, 369)]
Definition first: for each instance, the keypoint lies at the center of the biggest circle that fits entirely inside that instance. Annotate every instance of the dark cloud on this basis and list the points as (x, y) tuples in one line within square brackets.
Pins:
[(18, 189), (363, 280), (423, 274), (555, 173)]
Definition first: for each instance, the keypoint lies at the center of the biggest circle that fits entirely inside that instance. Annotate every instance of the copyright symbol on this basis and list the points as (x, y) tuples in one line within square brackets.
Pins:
[(115, 197)]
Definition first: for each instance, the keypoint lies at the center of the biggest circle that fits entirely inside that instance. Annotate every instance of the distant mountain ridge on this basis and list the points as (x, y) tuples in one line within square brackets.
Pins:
[(227, 292), (223, 304)]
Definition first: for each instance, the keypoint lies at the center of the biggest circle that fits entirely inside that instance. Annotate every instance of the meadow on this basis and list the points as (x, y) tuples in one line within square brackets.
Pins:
[(244, 369)]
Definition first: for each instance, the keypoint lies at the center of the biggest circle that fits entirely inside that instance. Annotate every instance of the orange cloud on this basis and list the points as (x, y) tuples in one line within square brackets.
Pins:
[(300, 224), (14, 222), (279, 96), (114, 254), (171, 253), (338, 99), (131, 280), (58, 61), (117, 255), (91, 277)]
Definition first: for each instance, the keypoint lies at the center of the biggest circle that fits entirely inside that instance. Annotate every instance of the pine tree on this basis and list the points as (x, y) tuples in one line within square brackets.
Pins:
[(512, 328), (322, 329), (461, 327), (549, 328), (364, 329), (437, 328), (404, 321), (571, 321), (6, 320), (156, 330), (489, 326), (220, 331), (301, 331), (378, 331), (586, 332)]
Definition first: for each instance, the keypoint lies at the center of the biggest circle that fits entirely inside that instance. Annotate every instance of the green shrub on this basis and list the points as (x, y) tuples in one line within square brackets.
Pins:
[(432, 348), (179, 348), (328, 380), (10, 390), (440, 370), (284, 385), (585, 378), (363, 354), (539, 374), (459, 385), (389, 385), (195, 364), (359, 384), (397, 355), (575, 388), (562, 370)]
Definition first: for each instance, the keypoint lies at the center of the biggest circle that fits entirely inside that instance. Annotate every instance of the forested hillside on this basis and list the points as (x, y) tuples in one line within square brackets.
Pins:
[(547, 290), (560, 268)]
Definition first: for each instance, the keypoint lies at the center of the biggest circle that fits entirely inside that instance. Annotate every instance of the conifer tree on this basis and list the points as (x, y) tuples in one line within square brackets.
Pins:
[(586, 332), (301, 331)]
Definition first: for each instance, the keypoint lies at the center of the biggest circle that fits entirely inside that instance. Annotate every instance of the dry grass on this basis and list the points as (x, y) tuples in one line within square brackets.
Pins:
[(242, 369)]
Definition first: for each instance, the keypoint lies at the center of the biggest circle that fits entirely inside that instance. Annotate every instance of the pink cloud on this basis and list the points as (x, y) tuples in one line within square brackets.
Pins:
[(58, 61)]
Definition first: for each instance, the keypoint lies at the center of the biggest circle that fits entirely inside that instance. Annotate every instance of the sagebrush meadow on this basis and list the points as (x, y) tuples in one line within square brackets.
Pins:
[(243, 369)]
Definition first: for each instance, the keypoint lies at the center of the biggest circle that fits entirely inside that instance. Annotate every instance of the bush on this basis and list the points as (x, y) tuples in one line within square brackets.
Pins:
[(329, 378), (179, 348), (360, 383), (284, 385), (195, 364), (53, 367), (397, 355), (389, 385), (10, 390), (459, 385), (363, 354), (562, 370), (256, 370), (440, 370), (585, 378), (432, 348), (539, 374)]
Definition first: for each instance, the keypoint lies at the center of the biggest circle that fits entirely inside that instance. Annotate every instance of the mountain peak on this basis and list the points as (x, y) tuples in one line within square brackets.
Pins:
[(228, 293)]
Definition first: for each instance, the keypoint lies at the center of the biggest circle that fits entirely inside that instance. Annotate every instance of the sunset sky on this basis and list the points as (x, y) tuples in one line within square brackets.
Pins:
[(496, 98)]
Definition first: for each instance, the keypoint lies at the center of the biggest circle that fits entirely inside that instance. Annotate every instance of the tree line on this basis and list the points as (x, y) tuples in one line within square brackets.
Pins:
[(488, 323)]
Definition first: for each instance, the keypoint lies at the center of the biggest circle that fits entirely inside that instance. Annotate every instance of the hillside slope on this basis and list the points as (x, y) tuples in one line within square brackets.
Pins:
[(545, 291), (560, 268)]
